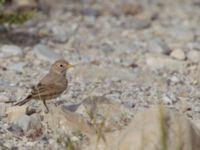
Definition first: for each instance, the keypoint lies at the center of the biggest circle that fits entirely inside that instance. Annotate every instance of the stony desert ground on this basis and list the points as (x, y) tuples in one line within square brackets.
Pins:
[(134, 60)]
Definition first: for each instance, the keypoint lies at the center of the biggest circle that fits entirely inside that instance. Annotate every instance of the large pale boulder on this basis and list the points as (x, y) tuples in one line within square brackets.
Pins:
[(155, 129)]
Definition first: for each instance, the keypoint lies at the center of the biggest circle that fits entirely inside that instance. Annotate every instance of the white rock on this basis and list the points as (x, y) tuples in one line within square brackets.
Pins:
[(23, 122), (9, 50), (167, 100), (45, 53), (178, 54), (175, 79), (193, 56), (14, 112), (26, 122)]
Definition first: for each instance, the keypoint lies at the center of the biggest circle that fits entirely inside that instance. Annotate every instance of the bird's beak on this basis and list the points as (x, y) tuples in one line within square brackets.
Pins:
[(69, 66)]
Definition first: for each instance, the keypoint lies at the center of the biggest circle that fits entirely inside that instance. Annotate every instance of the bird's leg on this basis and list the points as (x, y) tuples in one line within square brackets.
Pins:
[(47, 109)]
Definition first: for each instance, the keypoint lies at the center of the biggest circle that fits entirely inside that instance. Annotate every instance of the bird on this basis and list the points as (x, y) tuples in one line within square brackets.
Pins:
[(51, 86)]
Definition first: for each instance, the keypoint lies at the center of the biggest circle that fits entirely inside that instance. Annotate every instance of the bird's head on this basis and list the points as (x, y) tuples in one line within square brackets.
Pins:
[(60, 66)]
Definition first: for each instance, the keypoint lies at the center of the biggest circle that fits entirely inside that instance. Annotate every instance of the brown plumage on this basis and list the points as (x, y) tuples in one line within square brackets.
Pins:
[(51, 86)]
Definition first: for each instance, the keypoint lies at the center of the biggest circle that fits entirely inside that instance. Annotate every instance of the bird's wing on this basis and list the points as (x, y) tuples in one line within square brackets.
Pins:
[(46, 91), (47, 79)]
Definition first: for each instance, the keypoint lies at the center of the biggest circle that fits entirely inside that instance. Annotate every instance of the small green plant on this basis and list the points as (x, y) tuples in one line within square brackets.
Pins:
[(67, 143), (1, 4), (180, 144), (99, 127), (164, 130), (70, 145), (14, 17), (2, 1)]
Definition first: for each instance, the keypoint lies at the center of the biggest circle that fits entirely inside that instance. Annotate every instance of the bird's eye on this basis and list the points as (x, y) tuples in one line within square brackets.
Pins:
[(61, 65)]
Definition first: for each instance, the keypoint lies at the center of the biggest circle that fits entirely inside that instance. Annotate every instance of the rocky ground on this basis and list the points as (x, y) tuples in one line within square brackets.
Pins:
[(130, 55)]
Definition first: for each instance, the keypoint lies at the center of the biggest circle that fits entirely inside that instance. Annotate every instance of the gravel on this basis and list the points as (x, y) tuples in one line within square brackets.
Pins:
[(135, 59)]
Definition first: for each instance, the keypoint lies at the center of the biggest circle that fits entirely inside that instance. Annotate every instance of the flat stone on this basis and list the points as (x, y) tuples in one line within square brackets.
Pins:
[(23, 122), (10, 50), (93, 72), (26, 122), (45, 53), (157, 61)]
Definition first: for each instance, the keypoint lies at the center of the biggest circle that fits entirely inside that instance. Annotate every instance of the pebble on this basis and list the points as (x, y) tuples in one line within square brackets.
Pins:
[(178, 54), (129, 104), (10, 50), (167, 100), (175, 79), (45, 53), (26, 122), (23, 122), (193, 56), (136, 24), (158, 46)]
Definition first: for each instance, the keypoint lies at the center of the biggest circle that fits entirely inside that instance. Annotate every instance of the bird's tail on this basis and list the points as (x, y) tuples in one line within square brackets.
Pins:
[(28, 98)]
